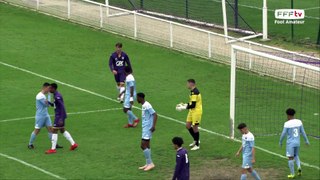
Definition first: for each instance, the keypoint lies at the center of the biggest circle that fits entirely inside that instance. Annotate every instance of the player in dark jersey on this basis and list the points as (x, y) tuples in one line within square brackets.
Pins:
[(182, 170), (117, 62), (59, 120)]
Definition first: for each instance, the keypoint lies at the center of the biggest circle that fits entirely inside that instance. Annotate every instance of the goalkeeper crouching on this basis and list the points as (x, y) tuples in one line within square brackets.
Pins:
[(195, 113)]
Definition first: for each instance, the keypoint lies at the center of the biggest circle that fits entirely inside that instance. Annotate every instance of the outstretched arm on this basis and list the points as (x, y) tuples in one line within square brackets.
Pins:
[(192, 105)]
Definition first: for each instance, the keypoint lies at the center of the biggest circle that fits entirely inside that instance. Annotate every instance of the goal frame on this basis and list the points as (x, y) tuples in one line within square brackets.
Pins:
[(234, 50)]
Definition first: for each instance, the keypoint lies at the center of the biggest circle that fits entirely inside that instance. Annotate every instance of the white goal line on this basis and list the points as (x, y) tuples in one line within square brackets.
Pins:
[(160, 115), (72, 113)]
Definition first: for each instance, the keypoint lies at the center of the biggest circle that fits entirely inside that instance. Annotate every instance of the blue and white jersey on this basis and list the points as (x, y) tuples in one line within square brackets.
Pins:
[(130, 82), (293, 128), (247, 144), (41, 105), (147, 115)]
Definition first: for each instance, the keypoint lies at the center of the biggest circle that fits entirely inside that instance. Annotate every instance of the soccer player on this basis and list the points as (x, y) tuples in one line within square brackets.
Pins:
[(42, 115), (130, 95), (248, 152), (59, 121), (117, 62), (182, 169), (195, 113), (292, 129), (149, 120)]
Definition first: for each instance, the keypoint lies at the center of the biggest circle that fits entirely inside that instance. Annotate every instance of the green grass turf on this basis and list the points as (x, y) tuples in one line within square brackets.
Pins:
[(78, 55), (211, 11)]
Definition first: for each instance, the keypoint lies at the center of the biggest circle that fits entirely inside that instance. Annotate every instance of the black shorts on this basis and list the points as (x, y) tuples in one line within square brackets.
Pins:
[(120, 77), (59, 122)]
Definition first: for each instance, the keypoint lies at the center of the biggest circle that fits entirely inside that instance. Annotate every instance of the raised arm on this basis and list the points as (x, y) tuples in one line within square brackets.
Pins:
[(304, 135), (44, 101)]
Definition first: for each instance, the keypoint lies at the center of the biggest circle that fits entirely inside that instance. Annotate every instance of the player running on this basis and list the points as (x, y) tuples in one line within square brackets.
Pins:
[(182, 169), (248, 152), (117, 62), (149, 120), (42, 115), (130, 95), (292, 129), (59, 121), (195, 113)]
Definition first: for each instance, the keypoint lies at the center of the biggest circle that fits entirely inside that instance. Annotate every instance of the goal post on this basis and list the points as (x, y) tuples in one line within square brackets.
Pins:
[(262, 86)]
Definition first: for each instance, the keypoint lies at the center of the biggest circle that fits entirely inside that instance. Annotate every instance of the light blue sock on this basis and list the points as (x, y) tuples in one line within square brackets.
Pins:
[(50, 136), (147, 155), (131, 117), (255, 175), (32, 138), (297, 159), (243, 177), (291, 166)]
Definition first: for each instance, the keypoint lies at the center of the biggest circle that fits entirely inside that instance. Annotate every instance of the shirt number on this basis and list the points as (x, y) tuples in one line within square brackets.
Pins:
[(295, 132), (187, 160)]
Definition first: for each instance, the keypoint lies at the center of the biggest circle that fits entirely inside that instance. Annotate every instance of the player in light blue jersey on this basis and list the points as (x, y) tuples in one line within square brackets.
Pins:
[(149, 120), (292, 129), (248, 152), (130, 95), (42, 116)]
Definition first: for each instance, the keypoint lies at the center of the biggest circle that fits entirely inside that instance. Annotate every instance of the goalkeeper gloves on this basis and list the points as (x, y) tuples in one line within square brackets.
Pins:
[(181, 107)]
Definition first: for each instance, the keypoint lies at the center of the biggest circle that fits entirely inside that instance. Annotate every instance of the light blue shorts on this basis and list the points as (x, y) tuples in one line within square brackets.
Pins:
[(126, 102), (246, 162), (42, 121), (146, 134), (292, 151)]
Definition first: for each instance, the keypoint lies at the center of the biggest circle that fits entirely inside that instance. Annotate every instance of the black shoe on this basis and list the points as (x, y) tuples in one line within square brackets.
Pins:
[(58, 146), (30, 146)]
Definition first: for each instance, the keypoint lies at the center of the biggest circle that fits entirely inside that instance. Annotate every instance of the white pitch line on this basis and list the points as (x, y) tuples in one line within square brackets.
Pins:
[(32, 166), (163, 116), (72, 113)]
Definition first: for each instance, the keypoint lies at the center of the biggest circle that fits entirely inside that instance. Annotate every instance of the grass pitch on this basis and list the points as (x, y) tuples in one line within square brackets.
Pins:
[(77, 56)]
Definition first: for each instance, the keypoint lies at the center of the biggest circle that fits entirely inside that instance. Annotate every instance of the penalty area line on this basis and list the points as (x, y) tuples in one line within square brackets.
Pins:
[(31, 166), (160, 115), (72, 113)]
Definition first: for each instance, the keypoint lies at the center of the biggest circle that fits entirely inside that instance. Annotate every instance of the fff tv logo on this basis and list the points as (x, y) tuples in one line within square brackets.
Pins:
[(289, 16)]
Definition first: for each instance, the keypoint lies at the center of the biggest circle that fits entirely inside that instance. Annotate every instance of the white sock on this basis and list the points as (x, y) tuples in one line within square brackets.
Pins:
[(122, 89), (67, 135), (54, 140)]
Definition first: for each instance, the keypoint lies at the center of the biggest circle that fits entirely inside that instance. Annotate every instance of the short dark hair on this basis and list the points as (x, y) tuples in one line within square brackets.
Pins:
[(242, 125), (290, 112), (177, 141), (142, 95), (128, 69), (191, 81), (46, 84), (119, 45), (54, 85)]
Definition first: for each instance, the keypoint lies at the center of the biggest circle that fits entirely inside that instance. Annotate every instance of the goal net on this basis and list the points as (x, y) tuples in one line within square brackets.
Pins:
[(263, 86)]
